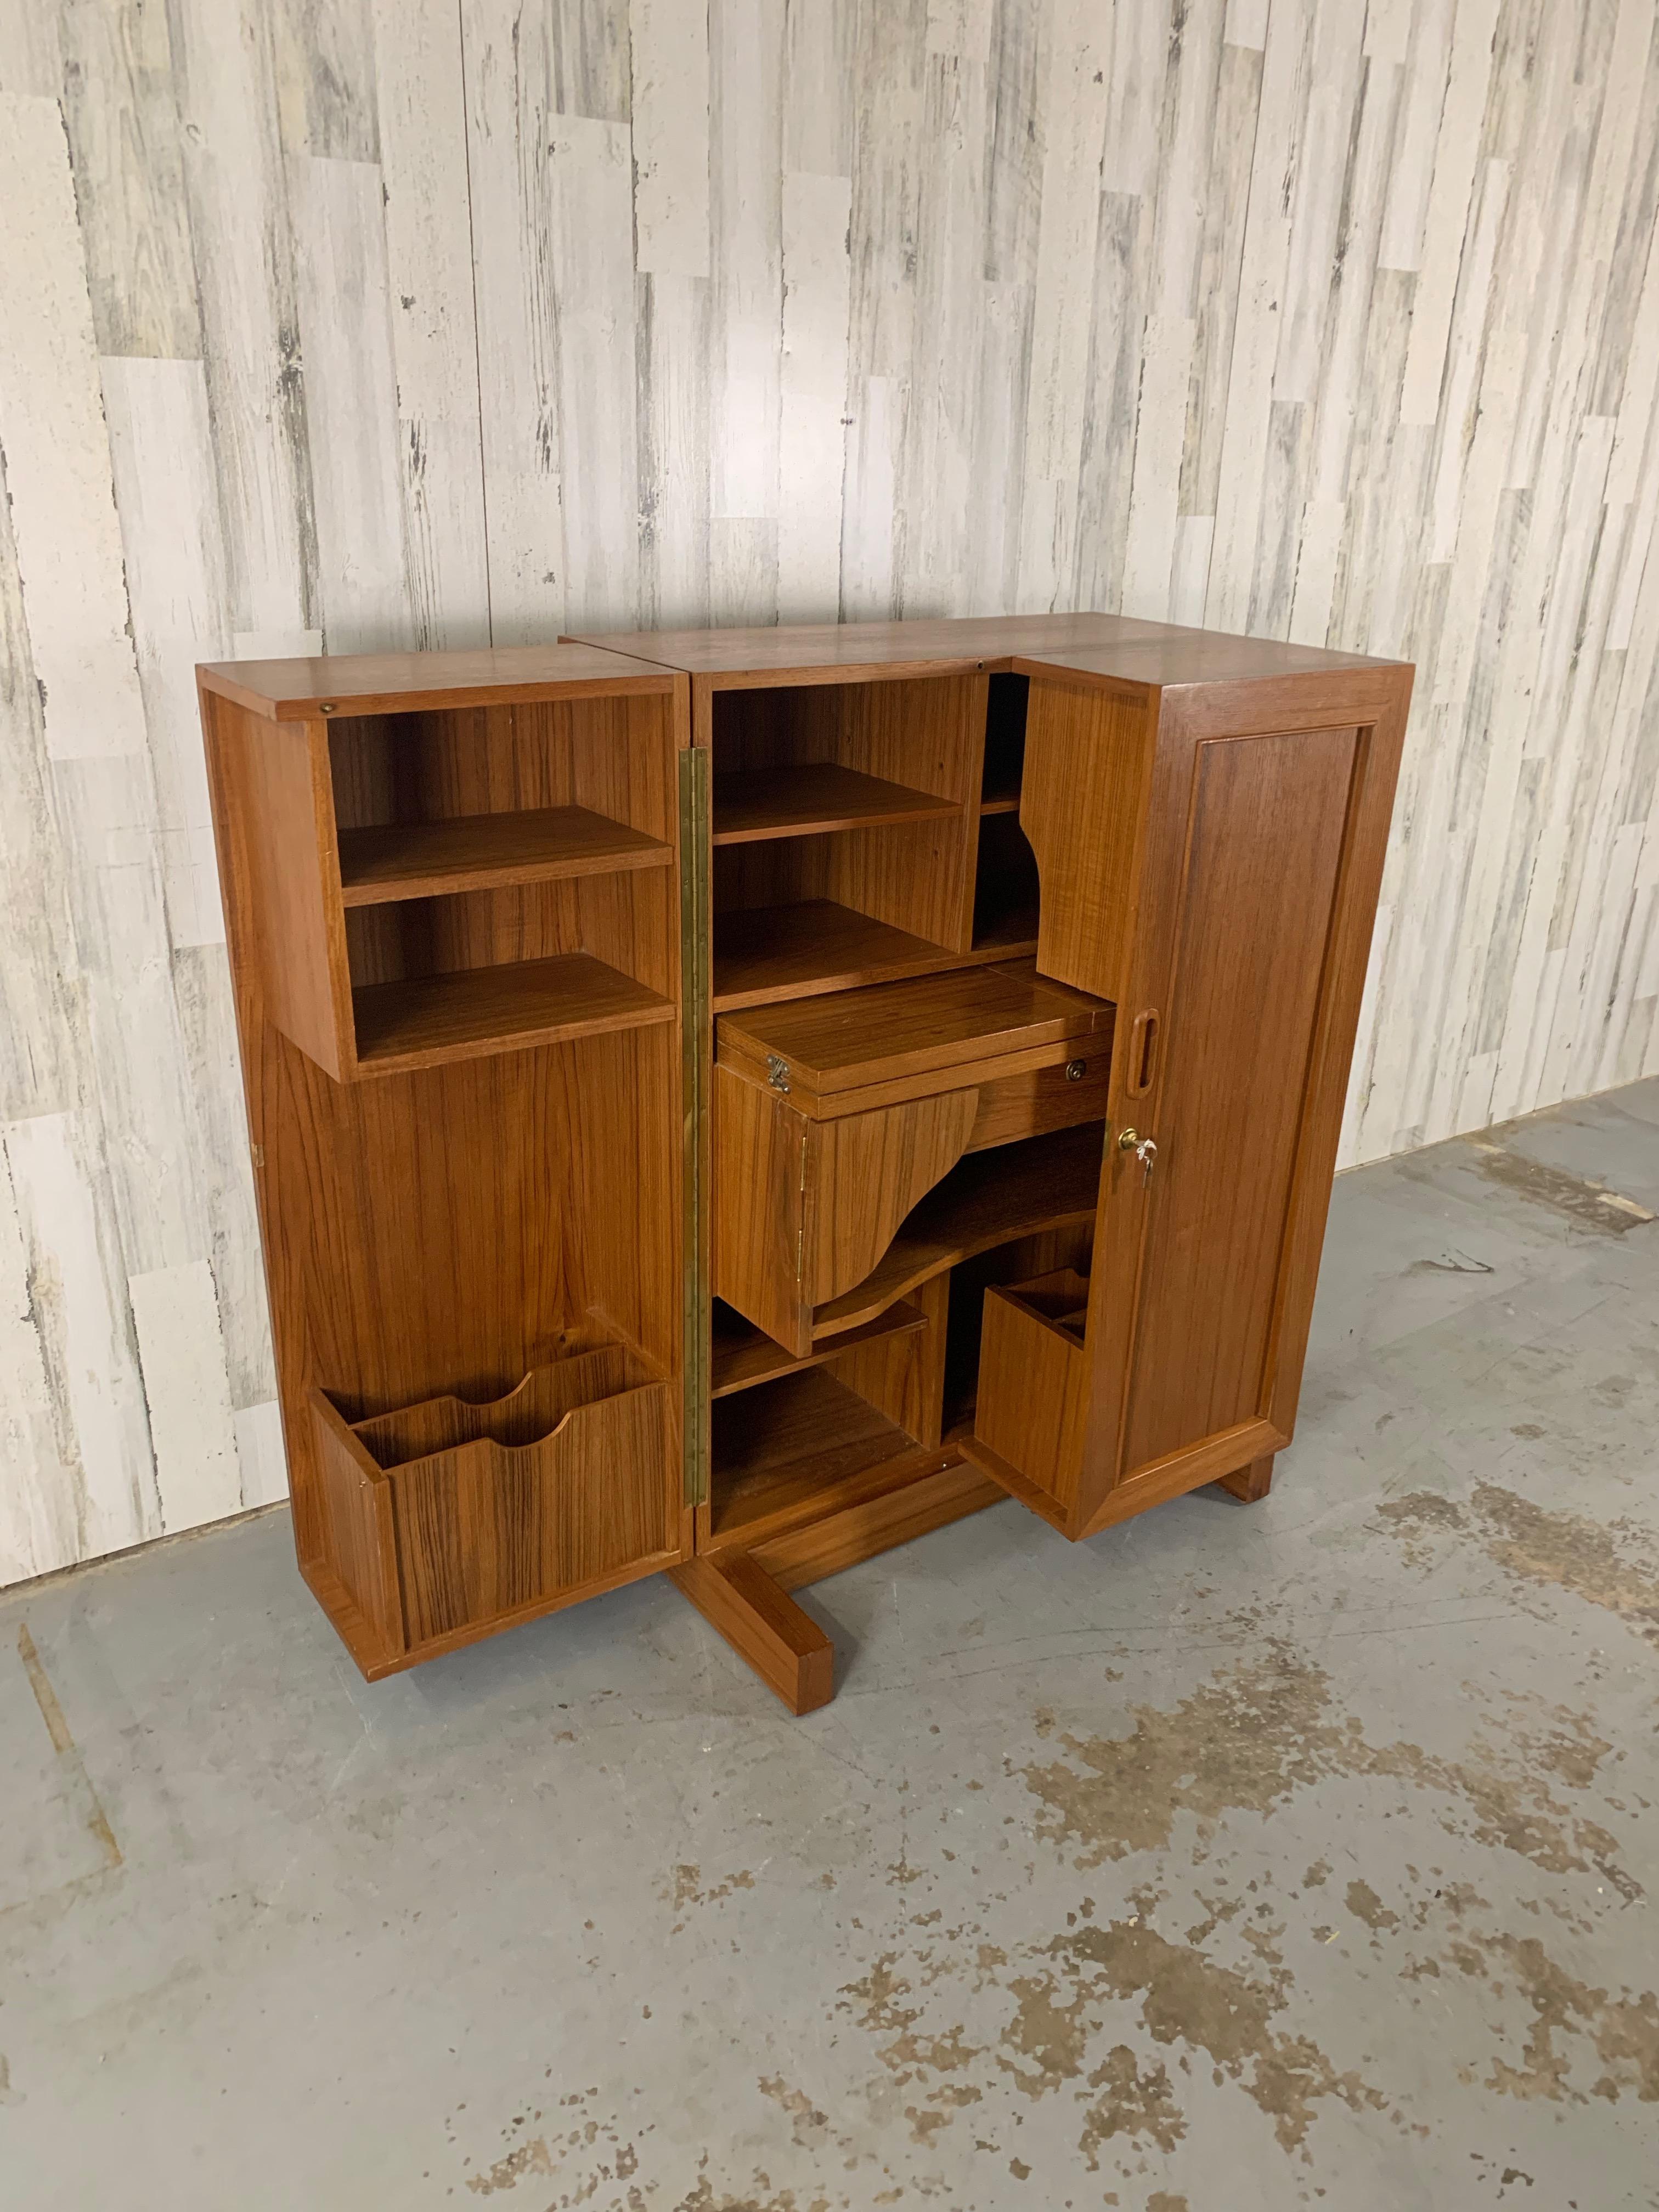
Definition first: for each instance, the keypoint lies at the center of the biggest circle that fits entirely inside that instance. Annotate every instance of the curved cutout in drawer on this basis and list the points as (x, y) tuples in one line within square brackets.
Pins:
[(835, 1116), (449, 1517)]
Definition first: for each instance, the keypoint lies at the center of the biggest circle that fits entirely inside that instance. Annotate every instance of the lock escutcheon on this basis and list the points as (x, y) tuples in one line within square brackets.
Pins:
[(1144, 1148)]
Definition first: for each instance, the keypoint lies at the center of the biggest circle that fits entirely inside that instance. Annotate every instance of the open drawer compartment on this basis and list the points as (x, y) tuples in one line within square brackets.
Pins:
[(446, 1519), (835, 1116), (1033, 1397)]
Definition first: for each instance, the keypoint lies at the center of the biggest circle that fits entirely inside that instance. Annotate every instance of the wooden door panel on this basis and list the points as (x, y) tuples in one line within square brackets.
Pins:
[(1259, 890)]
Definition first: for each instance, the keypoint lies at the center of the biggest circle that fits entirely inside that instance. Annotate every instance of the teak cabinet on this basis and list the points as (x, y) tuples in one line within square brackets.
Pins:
[(732, 1101)]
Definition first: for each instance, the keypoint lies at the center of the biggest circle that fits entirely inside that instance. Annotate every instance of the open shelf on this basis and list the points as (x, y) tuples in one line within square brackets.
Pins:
[(988, 1198), (425, 1019), (389, 860), (792, 951), (770, 952), (743, 1355), (774, 1447), (814, 798)]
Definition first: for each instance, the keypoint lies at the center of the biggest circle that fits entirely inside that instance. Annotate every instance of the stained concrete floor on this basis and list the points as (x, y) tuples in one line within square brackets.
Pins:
[(1245, 1858)]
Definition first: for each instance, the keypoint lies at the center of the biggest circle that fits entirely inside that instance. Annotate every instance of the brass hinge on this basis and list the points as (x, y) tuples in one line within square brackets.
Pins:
[(777, 1071)]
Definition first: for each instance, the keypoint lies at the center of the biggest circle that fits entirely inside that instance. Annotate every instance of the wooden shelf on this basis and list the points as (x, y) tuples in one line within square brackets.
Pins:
[(745, 1355), (810, 799), (427, 1019), (793, 951), (988, 1198), (1000, 802), (776, 1447), (487, 851)]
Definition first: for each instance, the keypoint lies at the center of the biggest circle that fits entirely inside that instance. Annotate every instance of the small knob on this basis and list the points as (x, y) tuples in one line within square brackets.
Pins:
[(1076, 1070)]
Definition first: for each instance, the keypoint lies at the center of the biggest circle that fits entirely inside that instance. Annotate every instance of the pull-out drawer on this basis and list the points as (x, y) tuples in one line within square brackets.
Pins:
[(834, 1116)]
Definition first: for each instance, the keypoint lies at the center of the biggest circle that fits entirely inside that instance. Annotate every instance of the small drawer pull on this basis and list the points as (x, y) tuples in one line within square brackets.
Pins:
[(1076, 1070)]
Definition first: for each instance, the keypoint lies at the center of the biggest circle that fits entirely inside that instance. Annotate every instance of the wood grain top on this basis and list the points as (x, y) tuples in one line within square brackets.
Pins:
[(390, 683), (803, 652), (1196, 656), (849, 1039)]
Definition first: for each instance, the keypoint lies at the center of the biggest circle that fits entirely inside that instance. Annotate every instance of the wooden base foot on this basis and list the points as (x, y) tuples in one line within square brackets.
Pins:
[(789, 1651), (1251, 1482)]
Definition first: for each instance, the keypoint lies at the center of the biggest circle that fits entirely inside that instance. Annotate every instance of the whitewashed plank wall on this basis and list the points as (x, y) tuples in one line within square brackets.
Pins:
[(366, 322)]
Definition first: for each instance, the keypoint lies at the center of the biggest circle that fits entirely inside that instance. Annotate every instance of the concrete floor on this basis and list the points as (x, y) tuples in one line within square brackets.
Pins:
[(1243, 1858)]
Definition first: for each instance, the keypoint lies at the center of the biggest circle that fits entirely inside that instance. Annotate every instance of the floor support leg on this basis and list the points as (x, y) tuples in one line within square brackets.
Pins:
[(1250, 1482), (785, 1646)]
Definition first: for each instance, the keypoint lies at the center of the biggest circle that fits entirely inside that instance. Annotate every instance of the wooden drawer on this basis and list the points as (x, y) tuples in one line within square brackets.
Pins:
[(834, 1117), (447, 1516), (1033, 1379)]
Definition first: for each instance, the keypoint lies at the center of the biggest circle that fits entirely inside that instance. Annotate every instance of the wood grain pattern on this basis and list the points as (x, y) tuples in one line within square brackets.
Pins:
[(790, 1652), (858, 1038), (1033, 1403), (803, 1209), (1404, 274)]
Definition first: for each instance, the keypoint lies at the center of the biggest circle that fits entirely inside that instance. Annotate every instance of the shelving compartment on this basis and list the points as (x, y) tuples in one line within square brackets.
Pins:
[(842, 833), (794, 1440), (836, 1115), (453, 1515), (508, 876)]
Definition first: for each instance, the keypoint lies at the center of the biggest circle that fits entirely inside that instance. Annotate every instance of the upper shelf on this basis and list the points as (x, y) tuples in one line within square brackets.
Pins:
[(488, 851), (818, 796)]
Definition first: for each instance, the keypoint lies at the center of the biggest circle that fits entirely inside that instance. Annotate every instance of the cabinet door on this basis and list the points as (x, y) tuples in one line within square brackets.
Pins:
[(1210, 859)]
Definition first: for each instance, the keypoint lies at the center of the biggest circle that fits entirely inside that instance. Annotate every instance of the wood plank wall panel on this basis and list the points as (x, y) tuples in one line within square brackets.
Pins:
[(343, 323)]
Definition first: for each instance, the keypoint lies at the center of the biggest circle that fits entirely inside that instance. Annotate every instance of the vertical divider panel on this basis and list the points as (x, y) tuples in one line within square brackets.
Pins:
[(697, 939)]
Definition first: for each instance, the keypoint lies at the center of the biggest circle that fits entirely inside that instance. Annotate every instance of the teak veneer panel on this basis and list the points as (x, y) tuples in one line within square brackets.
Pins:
[(389, 860)]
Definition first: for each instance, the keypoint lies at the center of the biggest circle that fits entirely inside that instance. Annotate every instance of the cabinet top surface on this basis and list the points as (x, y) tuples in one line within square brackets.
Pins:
[(382, 683), (1143, 652)]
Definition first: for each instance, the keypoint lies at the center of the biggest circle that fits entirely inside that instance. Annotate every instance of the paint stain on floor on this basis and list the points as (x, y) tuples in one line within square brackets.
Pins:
[(1611, 1565)]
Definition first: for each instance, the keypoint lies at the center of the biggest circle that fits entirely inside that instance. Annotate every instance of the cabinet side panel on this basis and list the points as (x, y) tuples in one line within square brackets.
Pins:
[(273, 793), (1265, 837), (1083, 800)]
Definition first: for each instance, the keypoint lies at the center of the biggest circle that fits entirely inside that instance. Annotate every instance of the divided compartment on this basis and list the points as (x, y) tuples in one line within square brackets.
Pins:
[(1032, 1402), (793, 1440), (1004, 744), (1005, 889), (446, 1518), (842, 833), (860, 1137), (506, 875)]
